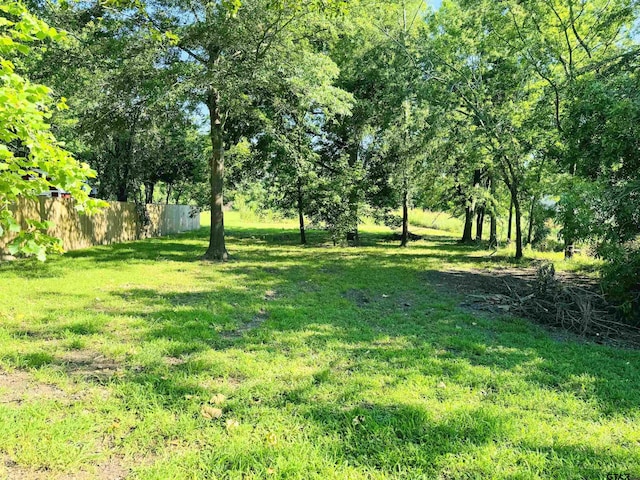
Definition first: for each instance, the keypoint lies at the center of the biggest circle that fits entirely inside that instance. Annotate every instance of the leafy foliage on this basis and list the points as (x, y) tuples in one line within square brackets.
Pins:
[(31, 160)]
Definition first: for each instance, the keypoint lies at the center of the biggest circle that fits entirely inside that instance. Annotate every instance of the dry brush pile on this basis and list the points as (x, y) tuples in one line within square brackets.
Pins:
[(557, 302)]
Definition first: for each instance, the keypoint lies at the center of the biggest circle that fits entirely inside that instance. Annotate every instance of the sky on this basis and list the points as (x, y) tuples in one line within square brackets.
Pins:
[(434, 3)]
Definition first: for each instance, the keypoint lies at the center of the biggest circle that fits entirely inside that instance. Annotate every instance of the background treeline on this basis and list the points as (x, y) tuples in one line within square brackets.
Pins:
[(522, 114)]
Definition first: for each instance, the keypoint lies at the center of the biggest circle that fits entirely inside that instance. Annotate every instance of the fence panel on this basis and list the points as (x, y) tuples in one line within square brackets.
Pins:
[(116, 223)]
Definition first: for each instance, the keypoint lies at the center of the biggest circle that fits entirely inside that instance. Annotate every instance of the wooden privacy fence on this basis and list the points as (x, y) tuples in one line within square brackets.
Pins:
[(118, 222)]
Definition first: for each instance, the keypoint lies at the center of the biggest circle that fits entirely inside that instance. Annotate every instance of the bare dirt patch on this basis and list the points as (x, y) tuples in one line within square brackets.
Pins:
[(255, 322), (387, 302), (270, 295), (110, 469), (174, 361), (358, 297), (476, 285), (91, 365), (19, 386), (499, 281)]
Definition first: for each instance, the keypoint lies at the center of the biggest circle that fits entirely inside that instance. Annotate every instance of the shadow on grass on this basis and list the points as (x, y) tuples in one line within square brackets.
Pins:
[(385, 436), (372, 301), (377, 312), (165, 248)]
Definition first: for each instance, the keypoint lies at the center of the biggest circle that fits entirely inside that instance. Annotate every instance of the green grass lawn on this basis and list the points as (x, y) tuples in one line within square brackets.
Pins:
[(139, 360)]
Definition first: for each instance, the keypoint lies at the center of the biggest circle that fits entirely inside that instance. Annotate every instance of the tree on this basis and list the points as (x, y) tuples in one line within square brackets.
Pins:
[(561, 41), (229, 51), (385, 139), (603, 205), (128, 117), (31, 159), (297, 110), (487, 88), (401, 155)]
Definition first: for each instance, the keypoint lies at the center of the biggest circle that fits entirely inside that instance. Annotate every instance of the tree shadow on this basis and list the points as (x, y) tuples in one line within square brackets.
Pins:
[(384, 436), (164, 248), (400, 305)]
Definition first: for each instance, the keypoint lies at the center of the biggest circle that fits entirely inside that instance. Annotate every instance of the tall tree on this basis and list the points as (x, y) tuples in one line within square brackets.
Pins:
[(487, 89), (296, 111), (230, 50), (560, 41), (127, 113)]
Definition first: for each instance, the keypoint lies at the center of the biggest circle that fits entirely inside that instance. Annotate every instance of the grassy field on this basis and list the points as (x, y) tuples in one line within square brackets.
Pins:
[(141, 361)]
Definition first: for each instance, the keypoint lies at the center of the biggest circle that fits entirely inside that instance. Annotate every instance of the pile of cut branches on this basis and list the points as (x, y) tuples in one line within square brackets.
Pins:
[(557, 303)]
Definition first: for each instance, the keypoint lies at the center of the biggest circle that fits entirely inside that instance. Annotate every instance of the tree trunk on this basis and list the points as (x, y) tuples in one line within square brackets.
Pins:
[(479, 223), (468, 225), (510, 221), (122, 192), (493, 233), (530, 230), (217, 250), (516, 206), (122, 195), (353, 235), (405, 216), (122, 155), (169, 190), (148, 192), (477, 178), (469, 210), (568, 249), (303, 236), (568, 243)]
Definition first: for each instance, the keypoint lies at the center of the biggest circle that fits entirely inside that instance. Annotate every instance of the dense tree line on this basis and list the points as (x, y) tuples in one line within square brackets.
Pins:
[(518, 112)]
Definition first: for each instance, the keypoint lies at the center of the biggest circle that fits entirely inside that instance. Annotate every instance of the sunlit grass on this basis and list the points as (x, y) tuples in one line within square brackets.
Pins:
[(325, 362), (436, 221)]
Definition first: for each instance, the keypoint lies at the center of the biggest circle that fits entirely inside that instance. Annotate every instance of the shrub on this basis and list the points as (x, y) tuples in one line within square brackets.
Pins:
[(621, 279)]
